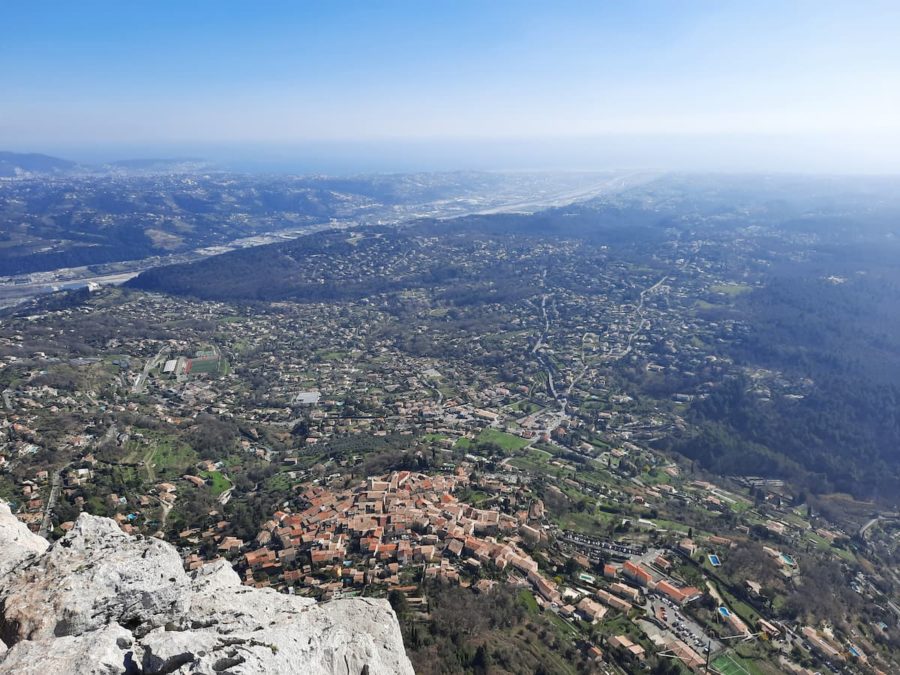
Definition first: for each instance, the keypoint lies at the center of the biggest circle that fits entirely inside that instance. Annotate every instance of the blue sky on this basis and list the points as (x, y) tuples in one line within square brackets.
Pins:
[(271, 74)]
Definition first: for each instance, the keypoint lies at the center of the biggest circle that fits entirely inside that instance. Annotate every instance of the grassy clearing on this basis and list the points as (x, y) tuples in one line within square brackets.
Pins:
[(280, 482), (824, 545), (656, 477), (218, 482), (532, 459), (506, 441), (587, 523), (844, 554), (331, 355), (671, 525), (173, 456), (731, 290), (739, 506), (526, 598), (525, 406)]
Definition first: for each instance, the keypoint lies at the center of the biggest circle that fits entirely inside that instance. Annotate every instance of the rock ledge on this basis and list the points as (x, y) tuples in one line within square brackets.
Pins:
[(101, 601)]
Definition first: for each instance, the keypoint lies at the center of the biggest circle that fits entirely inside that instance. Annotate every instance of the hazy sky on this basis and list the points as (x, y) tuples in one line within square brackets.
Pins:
[(758, 80)]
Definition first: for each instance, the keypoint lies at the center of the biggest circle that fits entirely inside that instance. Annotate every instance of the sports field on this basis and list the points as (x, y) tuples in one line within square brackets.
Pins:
[(731, 664)]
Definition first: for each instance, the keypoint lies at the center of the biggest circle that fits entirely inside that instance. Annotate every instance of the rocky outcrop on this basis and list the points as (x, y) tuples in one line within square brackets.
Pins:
[(95, 575), (17, 542), (100, 601)]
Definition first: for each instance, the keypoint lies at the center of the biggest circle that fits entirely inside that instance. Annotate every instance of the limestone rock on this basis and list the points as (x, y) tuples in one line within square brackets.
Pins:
[(343, 637), (220, 601), (93, 576), (17, 542), (101, 652), (101, 601)]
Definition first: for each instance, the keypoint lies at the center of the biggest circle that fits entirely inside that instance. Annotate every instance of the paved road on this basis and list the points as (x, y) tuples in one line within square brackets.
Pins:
[(881, 516), (141, 379), (51, 501), (562, 399)]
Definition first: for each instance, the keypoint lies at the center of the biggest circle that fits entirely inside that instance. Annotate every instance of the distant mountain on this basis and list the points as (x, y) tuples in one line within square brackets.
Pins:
[(17, 164), (34, 164)]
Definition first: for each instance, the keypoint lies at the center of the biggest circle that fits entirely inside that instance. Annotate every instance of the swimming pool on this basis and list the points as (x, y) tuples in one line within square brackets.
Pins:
[(714, 560)]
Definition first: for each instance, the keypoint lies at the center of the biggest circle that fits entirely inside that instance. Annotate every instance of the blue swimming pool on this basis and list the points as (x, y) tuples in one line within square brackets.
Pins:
[(714, 560)]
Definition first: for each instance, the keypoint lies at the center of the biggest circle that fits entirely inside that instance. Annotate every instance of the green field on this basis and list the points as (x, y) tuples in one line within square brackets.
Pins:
[(732, 663), (526, 598), (172, 457), (507, 442), (162, 454), (280, 482), (525, 406), (331, 355), (201, 366), (534, 460), (218, 483), (731, 289), (585, 522)]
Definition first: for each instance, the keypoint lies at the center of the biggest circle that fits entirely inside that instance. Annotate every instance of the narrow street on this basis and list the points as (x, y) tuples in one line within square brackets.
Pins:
[(51, 502)]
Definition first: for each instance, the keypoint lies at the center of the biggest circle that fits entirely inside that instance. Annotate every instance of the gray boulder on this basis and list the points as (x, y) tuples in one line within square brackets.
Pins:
[(101, 601), (95, 575), (106, 651), (17, 542)]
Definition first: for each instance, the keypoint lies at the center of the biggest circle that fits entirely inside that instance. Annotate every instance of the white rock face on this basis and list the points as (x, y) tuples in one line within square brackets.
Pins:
[(93, 576), (99, 652), (17, 542), (100, 601)]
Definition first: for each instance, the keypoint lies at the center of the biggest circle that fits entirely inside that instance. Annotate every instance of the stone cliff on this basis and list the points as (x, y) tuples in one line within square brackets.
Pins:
[(101, 601)]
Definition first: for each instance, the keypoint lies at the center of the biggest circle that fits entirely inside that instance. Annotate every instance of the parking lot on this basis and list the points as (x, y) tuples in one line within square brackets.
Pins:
[(681, 626)]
